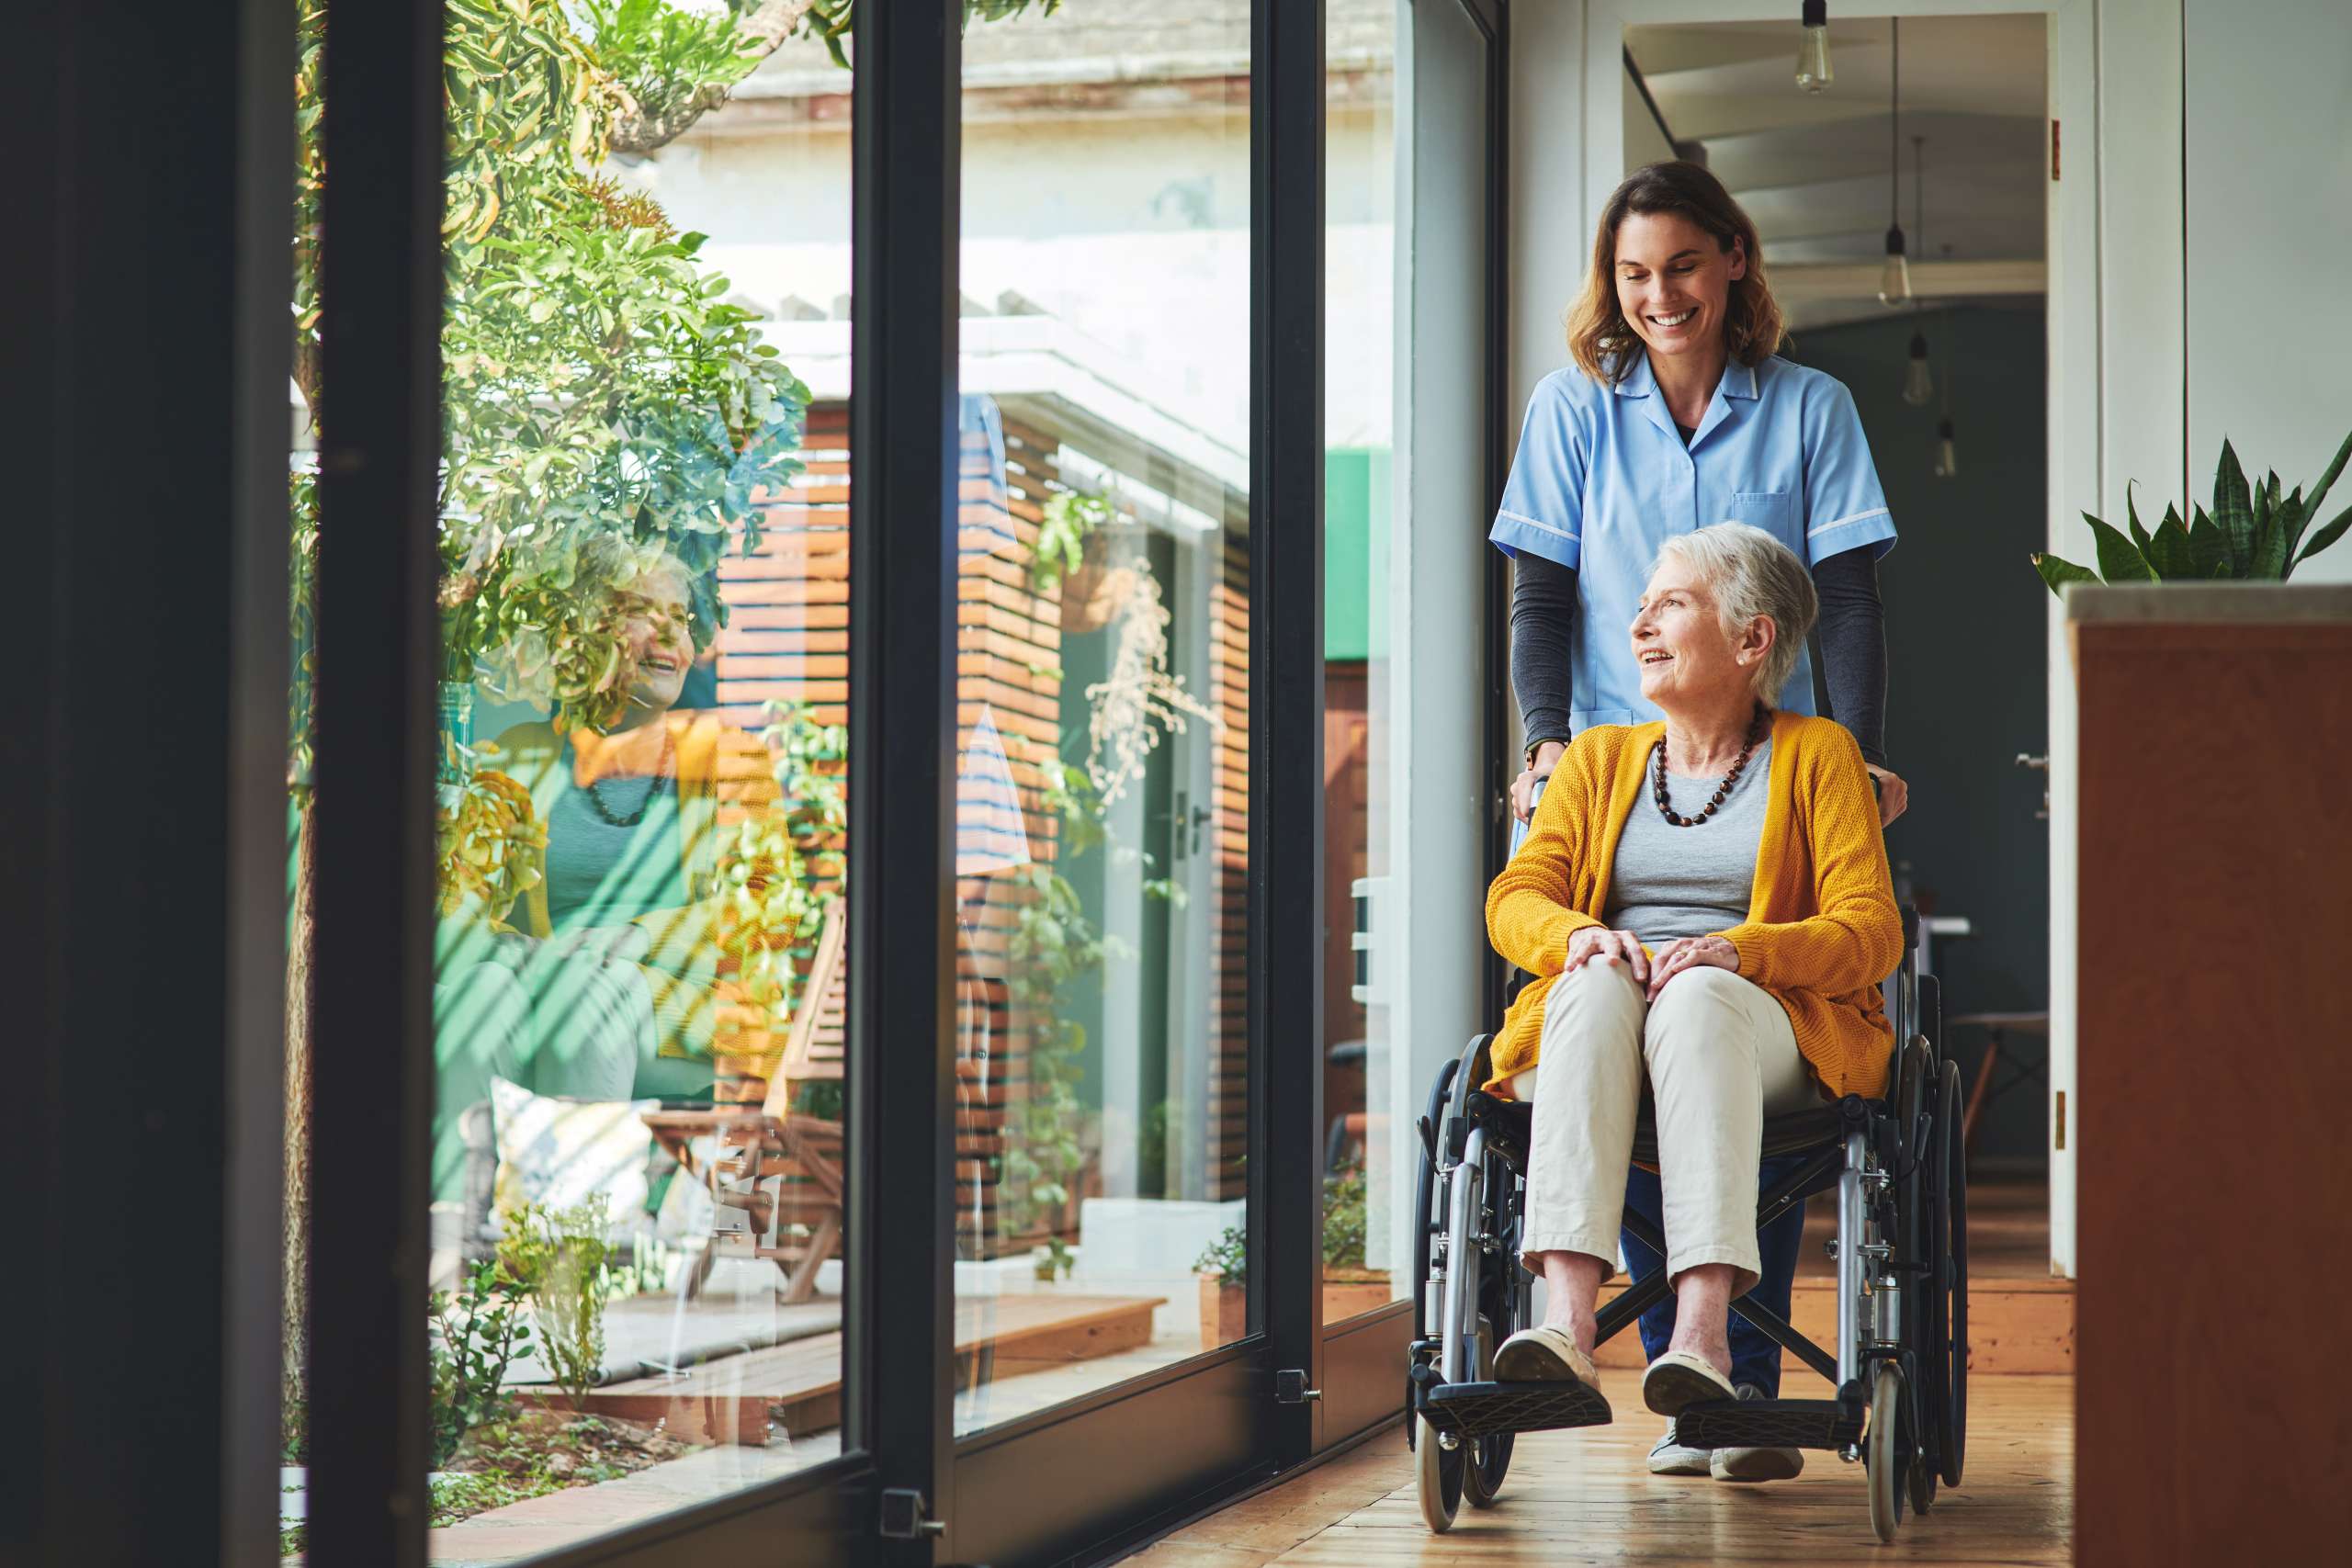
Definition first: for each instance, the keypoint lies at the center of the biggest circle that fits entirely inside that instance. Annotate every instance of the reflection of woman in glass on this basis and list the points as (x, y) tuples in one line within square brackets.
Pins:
[(606, 990)]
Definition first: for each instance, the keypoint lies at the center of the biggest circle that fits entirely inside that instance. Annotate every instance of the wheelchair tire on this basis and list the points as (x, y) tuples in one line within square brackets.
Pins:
[(1930, 1021), (1886, 1452), (1503, 1303), (1437, 1476), (1424, 1202), (1950, 1353)]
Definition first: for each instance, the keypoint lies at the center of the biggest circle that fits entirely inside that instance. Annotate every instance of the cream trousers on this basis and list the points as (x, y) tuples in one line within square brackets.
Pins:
[(1720, 1057)]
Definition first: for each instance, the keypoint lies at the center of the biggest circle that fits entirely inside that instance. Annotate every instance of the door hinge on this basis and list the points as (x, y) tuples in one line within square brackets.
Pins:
[(1290, 1388), (2061, 1127), (906, 1517), (2054, 152)]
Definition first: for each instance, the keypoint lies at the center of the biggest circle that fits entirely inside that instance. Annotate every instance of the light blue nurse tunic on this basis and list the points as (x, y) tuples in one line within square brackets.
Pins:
[(1603, 479)]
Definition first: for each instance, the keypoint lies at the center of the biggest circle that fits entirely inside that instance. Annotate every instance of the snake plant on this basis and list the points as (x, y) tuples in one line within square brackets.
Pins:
[(2250, 534)]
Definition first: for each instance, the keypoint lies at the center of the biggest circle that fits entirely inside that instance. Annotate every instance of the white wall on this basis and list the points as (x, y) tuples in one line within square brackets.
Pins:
[(1136, 231), (2270, 194)]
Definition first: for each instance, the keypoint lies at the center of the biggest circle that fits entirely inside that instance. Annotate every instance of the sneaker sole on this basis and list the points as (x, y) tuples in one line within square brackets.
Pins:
[(1668, 1386), (1756, 1464), (1531, 1360)]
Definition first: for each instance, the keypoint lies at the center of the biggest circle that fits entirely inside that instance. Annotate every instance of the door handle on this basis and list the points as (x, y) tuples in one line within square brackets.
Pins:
[(2041, 764)]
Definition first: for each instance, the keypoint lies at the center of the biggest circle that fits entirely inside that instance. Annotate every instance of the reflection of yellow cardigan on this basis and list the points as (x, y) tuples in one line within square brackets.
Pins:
[(1822, 928), (723, 775)]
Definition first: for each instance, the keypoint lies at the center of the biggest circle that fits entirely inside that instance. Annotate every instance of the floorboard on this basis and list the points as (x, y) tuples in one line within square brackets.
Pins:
[(1585, 1498)]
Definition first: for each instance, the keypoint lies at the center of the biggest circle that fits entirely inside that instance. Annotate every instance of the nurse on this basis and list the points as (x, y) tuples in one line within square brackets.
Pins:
[(1678, 413)]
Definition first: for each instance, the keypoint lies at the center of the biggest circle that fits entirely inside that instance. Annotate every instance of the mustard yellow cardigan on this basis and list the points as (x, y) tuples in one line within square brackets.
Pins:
[(1822, 928)]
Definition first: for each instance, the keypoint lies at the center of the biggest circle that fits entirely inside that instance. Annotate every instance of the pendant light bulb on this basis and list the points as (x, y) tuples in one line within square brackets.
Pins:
[(1895, 278), (1919, 383), (1947, 455), (1812, 51)]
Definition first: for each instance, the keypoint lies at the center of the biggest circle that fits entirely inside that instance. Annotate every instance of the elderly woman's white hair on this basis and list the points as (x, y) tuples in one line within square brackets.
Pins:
[(1750, 573)]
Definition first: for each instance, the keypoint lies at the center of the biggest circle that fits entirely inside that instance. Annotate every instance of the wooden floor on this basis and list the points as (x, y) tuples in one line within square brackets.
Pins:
[(1585, 1498)]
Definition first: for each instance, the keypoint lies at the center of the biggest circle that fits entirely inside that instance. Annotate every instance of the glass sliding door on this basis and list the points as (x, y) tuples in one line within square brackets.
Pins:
[(1361, 271), (612, 612), (1414, 223), (1102, 716), (818, 1008)]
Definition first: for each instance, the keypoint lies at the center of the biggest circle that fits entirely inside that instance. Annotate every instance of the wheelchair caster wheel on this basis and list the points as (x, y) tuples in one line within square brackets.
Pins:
[(1437, 1475), (1886, 1452)]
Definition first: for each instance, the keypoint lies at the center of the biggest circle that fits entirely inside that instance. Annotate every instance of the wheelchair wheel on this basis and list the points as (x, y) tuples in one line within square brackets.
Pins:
[(1950, 1353), (1502, 1312), (1886, 1454), (1916, 1107), (1487, 1458), (1437, 1476), (1930, 1021), (1424, 1204)]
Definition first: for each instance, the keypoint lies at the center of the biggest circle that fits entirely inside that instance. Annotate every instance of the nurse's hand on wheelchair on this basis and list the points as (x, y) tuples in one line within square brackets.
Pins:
[(1523, 788), (1894, 795)]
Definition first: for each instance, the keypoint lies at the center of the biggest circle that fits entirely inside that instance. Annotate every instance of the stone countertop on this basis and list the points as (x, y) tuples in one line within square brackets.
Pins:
[(2259, 604)]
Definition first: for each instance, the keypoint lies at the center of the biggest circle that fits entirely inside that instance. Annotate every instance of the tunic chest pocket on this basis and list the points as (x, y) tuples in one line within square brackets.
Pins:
[(1774, 511)]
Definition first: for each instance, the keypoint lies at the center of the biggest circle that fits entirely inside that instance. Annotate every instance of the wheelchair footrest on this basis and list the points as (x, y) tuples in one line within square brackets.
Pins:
[(1765, 1424), (1482, 1409)]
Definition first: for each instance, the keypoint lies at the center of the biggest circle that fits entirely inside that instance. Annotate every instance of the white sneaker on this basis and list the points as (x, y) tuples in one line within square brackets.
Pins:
[(1753, 1464), (1672, 1458)]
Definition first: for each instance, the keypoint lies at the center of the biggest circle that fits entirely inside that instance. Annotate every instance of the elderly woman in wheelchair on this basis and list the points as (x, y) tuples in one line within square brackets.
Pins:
[(1706, 907)]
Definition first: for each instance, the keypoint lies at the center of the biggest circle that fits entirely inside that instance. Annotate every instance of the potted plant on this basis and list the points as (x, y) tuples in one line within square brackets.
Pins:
[(1348, 1288), (1224, 1268), (2251, 534)]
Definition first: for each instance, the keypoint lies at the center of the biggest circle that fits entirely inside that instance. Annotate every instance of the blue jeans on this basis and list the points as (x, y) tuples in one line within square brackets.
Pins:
[(1754, 1358)]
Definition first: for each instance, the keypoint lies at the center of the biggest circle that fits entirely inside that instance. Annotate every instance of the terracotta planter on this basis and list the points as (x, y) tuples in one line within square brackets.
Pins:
[(1094, 593), (1225, 1312), (1348, 1292)]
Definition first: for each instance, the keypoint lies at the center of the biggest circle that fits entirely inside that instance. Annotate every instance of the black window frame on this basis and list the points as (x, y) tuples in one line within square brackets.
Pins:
[(378, 446)]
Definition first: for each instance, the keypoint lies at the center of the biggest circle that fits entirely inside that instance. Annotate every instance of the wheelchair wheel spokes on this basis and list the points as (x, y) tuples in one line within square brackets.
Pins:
[(1487, 1459)]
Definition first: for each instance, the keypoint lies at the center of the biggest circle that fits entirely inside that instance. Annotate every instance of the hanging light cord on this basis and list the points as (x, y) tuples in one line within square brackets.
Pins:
[(1918, 205), (1894, 128)]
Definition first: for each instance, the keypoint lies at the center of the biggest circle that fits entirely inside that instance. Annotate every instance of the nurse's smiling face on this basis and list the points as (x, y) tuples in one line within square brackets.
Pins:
[(1689, 662), (1674, 282)]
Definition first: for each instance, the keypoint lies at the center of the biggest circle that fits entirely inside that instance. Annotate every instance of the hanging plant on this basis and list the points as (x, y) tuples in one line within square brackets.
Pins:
[(1140, 701)]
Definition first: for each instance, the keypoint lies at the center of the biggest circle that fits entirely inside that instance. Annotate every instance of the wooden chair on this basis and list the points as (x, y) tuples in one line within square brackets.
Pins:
[(757, 1143)]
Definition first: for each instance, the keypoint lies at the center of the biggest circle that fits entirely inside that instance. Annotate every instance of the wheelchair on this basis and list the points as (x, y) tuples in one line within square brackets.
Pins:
[(1901, 1365)]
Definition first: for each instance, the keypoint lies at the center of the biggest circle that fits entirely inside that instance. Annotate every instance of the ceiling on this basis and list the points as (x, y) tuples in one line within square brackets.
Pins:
[(1812, 170)]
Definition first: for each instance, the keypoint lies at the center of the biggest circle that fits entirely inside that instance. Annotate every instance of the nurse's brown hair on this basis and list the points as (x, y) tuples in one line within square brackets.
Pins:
[(1598, 331)]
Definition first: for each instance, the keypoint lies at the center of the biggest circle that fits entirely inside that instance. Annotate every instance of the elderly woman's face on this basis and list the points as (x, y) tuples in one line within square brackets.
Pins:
[(1674, 281), (659, 643), (1686, 658)]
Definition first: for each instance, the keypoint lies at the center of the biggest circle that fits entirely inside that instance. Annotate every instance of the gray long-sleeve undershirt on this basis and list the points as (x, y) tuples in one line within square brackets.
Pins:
[(1853, 629)]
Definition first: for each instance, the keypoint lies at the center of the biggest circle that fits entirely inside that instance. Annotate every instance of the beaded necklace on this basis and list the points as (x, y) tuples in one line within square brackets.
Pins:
[(1657, 777)]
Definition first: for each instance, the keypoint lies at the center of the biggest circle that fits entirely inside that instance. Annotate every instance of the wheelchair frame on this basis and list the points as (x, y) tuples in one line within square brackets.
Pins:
[(1900, 1366)]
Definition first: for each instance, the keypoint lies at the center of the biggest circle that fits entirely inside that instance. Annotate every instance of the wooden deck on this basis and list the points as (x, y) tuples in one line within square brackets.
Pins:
[(1585, 1498), (795, 1388)]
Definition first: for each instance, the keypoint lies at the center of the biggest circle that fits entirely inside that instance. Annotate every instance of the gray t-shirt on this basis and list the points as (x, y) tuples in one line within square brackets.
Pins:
[(1666, 881)]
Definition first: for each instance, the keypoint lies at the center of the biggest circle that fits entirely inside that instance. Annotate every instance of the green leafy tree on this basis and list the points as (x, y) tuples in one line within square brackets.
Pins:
[(603, 405)]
